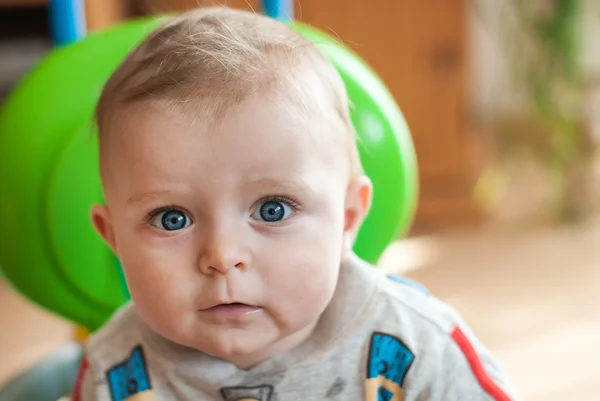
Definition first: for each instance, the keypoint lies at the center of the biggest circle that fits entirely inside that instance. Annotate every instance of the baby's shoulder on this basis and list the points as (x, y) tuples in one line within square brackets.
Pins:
[(122, 325), (122, 333), (419, 346), (408, 310)]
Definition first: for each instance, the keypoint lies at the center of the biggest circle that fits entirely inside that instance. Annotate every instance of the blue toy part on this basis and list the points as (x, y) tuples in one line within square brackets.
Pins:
[(279, 9), (411, 283), (67, 21)]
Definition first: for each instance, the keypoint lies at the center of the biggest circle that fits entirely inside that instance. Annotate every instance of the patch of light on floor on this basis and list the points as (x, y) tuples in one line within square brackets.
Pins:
[(409, 254)]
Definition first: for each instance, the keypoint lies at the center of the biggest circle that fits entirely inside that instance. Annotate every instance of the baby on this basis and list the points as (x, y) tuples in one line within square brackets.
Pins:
[(233, 194)]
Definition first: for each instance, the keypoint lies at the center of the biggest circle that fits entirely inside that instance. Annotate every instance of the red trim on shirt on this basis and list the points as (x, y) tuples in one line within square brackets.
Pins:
[(83, 367), (477, 367)]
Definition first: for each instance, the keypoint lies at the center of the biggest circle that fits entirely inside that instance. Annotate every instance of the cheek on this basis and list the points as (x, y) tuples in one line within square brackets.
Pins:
[(303, 269), (158, 275)]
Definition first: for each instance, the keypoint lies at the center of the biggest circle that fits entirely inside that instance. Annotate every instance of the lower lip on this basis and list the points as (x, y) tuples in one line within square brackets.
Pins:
[(231, 311)]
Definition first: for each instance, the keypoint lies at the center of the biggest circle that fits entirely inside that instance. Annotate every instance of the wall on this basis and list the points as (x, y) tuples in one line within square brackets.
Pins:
[(491, 89)]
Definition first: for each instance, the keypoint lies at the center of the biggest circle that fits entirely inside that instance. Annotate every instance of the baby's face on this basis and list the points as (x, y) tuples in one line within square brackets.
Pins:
[(231, 234)]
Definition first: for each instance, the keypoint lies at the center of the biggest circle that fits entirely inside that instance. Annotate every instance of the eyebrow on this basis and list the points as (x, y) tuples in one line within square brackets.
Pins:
[(290, 185), (145, 197)]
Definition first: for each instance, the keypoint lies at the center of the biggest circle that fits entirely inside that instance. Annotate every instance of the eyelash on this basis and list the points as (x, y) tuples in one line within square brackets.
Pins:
[(283, 199), (152, 214)]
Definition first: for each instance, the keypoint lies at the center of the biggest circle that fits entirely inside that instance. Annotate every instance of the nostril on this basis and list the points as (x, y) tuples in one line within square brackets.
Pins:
[(240, 265)]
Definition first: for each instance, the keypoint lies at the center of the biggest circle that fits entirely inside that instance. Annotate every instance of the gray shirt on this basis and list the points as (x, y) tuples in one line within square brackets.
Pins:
[(380, 339)]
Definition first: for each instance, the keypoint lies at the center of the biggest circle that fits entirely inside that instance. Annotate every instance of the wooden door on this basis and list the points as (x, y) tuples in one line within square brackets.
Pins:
[(419, 50)]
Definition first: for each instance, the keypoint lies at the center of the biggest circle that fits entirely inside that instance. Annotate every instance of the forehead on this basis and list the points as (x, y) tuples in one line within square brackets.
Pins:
[(265, 136)]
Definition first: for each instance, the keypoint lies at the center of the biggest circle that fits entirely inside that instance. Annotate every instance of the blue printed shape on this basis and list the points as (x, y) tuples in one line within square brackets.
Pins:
[(130, 377), (409, 282), (384, 394), (389, 358)]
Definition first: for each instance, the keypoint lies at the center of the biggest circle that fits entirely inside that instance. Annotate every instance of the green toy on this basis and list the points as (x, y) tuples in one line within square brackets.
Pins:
[(49, 173)]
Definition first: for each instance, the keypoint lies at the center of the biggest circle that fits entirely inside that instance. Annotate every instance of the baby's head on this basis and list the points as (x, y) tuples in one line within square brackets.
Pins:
[(232, 182)]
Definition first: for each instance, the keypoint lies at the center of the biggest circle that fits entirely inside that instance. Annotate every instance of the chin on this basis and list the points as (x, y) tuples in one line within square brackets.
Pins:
[(233, 344), (237, 344)]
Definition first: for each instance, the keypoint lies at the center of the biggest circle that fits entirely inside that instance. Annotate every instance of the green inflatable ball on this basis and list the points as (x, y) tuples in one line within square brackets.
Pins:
[(49, 171)]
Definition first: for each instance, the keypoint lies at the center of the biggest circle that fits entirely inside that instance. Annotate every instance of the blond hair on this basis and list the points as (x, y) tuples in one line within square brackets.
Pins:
[(213, 58)]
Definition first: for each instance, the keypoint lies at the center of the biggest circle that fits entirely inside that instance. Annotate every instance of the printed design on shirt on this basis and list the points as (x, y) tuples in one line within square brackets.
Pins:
[(83, 368), (129, 380), (477, 367), (336, 388), (258, 393), (387, 365), (408, 282)]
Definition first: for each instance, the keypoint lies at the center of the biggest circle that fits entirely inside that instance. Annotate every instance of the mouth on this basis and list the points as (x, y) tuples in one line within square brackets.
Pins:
[(233, 310)]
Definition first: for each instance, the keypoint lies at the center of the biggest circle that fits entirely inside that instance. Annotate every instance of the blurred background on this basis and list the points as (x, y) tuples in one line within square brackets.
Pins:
[(503, 101)]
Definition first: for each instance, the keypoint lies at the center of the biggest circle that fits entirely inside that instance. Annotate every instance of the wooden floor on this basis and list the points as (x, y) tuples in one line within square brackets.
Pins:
[(533, 299)]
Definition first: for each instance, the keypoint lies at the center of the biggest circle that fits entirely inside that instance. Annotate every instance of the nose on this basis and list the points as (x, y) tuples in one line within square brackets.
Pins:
[(222, 251)]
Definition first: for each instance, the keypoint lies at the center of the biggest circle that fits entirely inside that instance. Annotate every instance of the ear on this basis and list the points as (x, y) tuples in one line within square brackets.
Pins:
[(101, 221), (358, 203)]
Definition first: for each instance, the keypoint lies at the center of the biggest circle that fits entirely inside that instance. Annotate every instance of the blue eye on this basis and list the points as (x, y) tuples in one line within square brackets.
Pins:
[(272, 211), (171, 220)]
